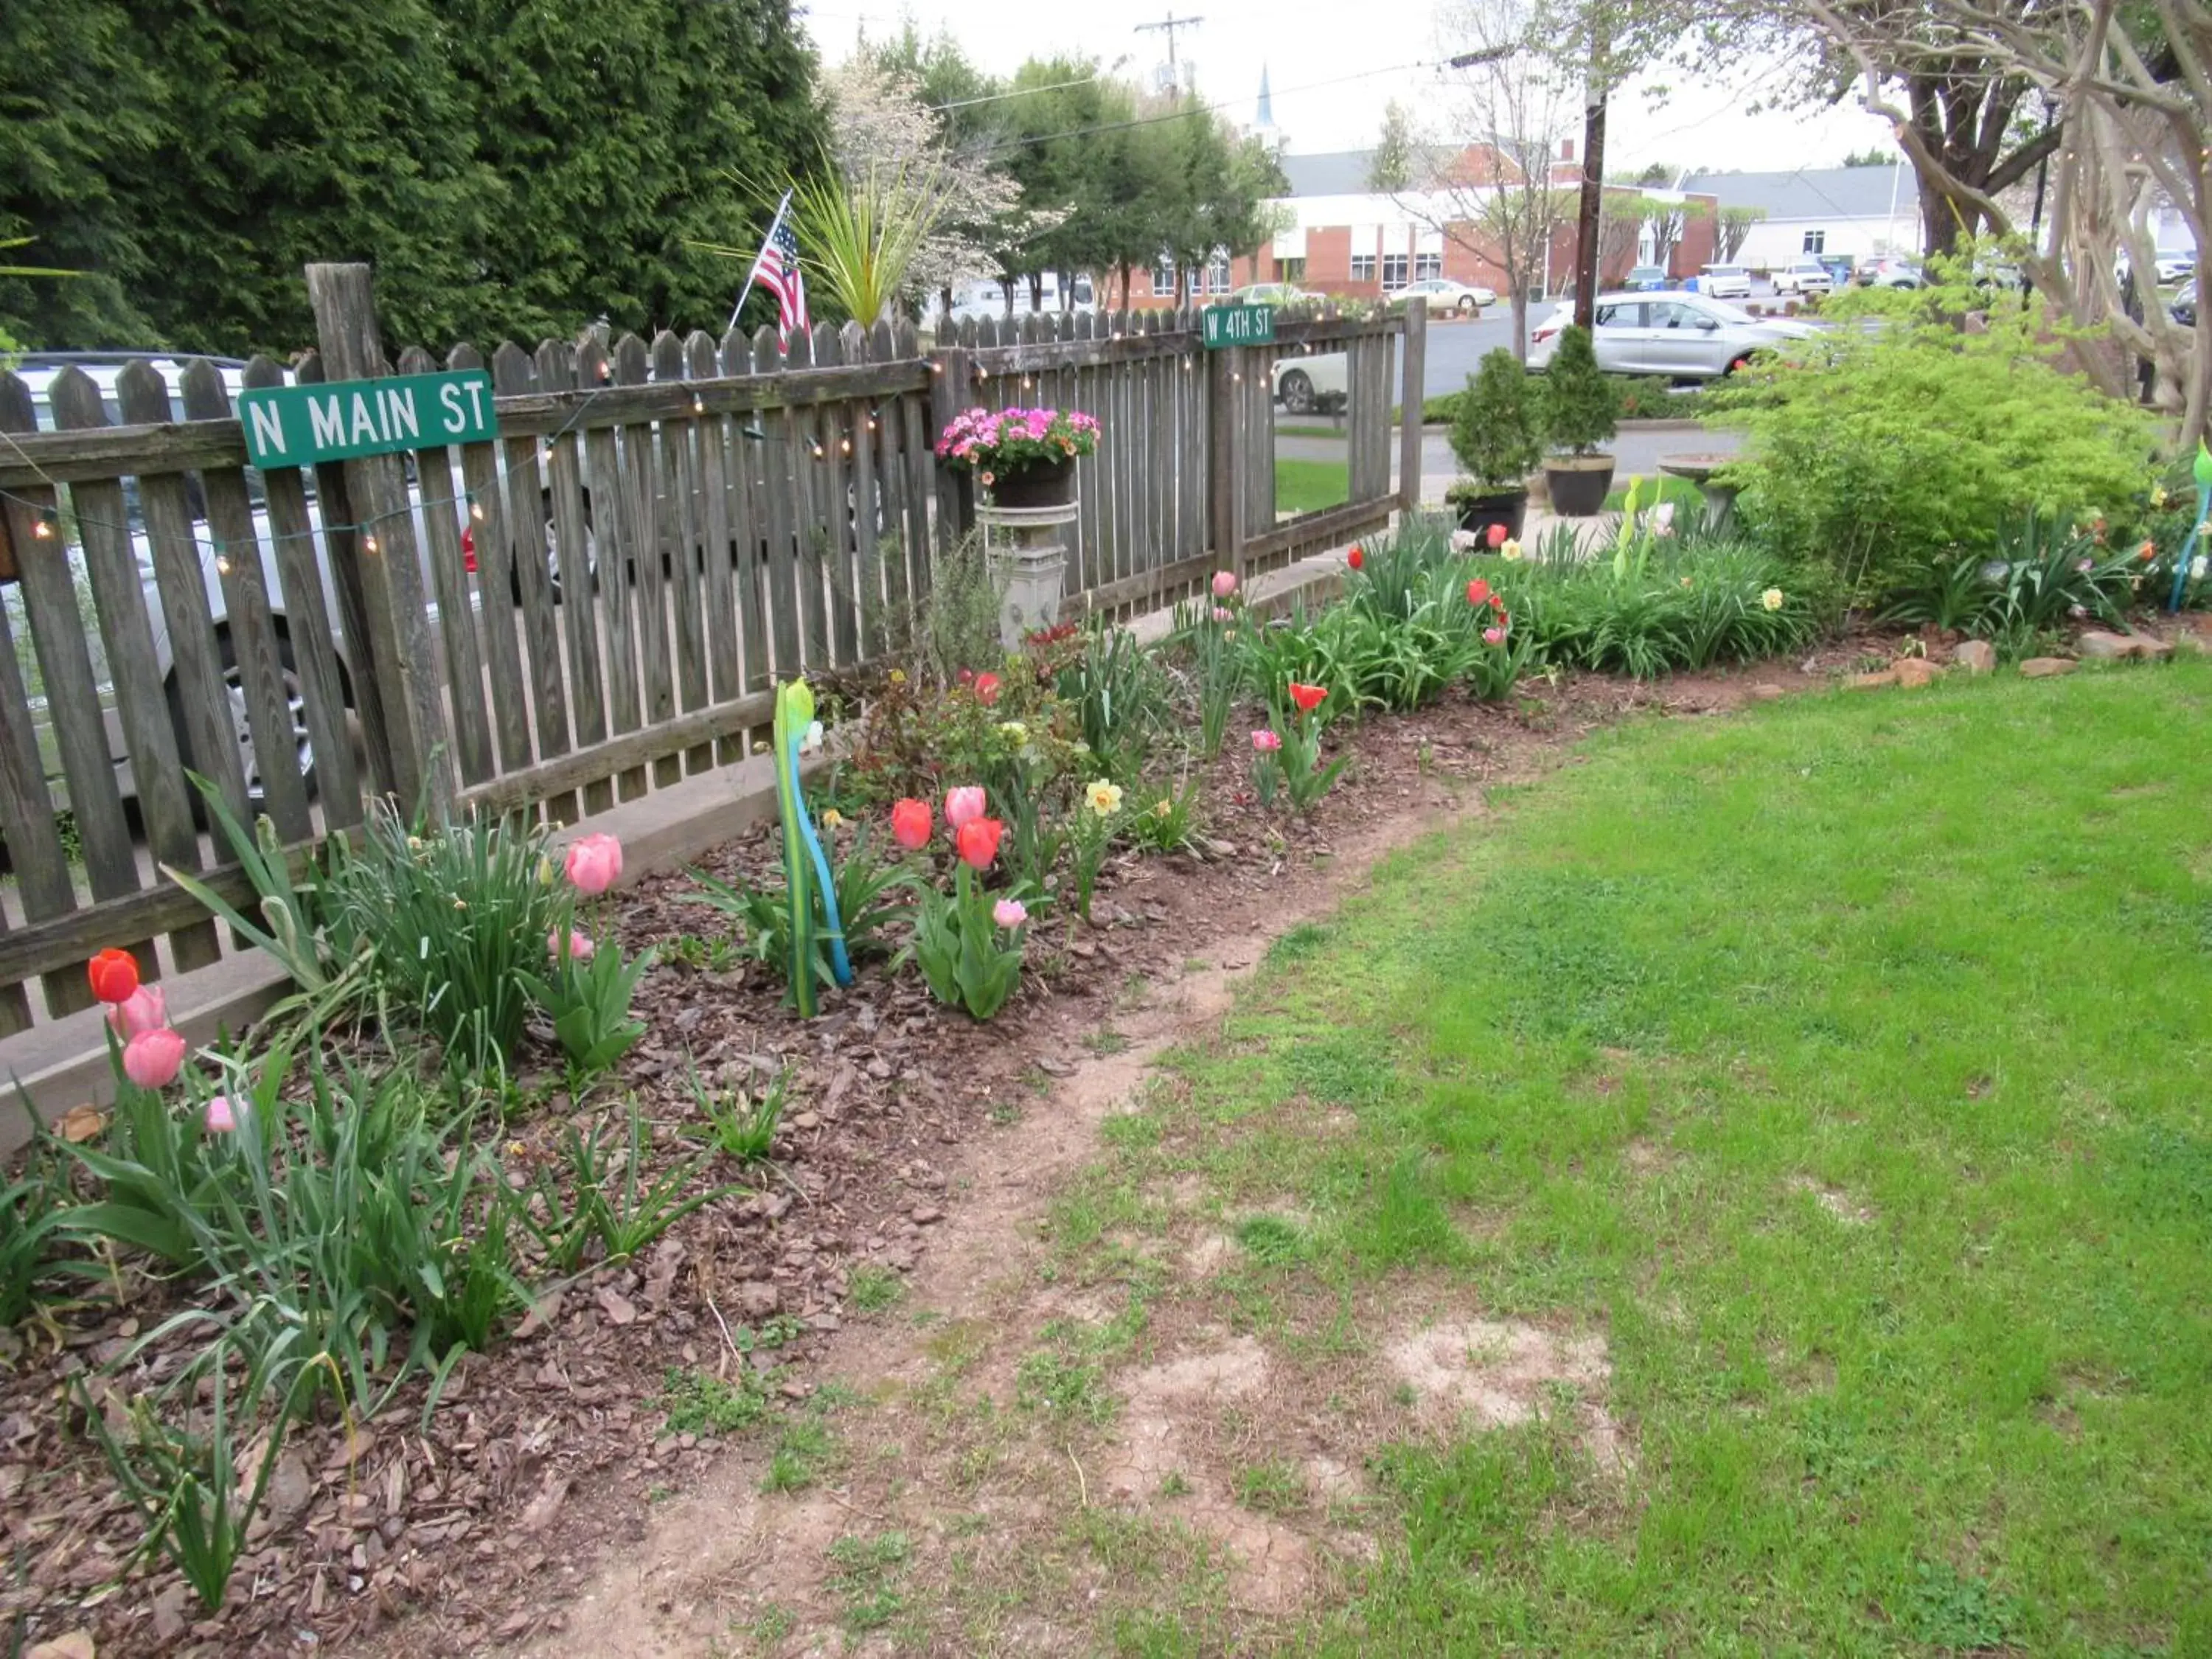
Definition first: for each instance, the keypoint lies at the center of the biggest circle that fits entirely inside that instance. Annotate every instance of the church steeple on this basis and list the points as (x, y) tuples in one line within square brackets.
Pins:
[(1266, 121)]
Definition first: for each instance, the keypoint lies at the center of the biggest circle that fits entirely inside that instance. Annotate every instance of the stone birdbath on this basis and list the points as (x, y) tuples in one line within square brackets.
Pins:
[(1700, 470)]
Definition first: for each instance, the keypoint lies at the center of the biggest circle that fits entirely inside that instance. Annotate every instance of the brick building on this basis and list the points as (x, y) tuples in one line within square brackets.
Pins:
[(1351, 241)]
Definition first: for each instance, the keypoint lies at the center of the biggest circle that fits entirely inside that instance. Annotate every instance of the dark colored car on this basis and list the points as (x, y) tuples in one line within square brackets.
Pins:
[(2182, 307)]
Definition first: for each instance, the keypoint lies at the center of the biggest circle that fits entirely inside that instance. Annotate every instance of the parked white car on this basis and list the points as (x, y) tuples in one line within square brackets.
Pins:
[(1724, 281), (1805, 277), (1304, 384), (2175, 268), (1440, 294), (1681, 336)]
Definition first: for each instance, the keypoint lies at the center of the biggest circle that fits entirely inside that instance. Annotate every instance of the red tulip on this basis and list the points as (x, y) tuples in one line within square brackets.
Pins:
[(1496, 535), (987, 688), (113, 974), (1478, 591), (964, 805), (910, 823), (977, 842), (1355, 558), (1307, 697)]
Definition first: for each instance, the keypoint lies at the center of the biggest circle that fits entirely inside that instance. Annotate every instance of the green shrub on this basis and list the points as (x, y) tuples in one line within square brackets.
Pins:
[(1581, 406), (1494, 432), (1895, 451)]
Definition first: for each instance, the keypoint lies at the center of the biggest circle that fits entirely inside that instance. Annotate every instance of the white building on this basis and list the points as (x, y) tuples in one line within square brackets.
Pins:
[(1858, 212)]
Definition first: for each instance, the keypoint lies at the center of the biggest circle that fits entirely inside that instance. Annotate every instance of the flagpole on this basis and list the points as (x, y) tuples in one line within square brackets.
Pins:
[(746, 292)]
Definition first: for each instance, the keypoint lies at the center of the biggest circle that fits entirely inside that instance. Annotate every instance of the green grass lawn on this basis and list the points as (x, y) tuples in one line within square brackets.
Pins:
[(1680, 491), (1304, 486), (1844, 1066)]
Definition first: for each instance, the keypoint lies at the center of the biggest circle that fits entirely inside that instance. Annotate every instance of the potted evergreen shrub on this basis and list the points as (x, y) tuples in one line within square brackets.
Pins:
[(1494, 434), (1581, 409)]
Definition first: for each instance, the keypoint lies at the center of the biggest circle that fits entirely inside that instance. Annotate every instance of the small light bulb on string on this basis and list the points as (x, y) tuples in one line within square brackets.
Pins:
[(43, 529), (222, 564), (845, 445), (477, 512), (698, 405), (369, 543)]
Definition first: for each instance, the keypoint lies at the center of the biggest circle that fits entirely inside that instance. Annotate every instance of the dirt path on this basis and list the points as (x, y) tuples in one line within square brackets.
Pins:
[(713, 1561)]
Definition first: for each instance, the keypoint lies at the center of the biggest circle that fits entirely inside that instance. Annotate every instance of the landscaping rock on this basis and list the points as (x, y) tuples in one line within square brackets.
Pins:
[(2101, 646), (1871, 682), (2044, 668), (77, 1644), (1975, 656), (1913, 673)]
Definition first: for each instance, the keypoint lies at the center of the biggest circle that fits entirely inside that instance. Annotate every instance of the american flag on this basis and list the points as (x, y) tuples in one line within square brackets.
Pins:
[(777, 270)]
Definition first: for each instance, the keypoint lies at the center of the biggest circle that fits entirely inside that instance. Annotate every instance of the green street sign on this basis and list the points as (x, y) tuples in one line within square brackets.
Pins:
[(301, 425), (1239, 326)]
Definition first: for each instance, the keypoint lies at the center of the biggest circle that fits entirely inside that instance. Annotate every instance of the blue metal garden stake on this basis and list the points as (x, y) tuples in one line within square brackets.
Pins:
[(2203, 470)]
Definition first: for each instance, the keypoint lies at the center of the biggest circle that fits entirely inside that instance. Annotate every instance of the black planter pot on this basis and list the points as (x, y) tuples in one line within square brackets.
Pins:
[(1478, 513), (1046, 483), (1579, 484)]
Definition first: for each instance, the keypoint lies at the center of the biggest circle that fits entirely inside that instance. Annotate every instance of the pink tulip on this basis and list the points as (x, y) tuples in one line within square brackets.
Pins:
[(1009, 913), (1222, 614), (594, 864), (221, 1115), (1266, 741), (145, 1009), (1493, 636), (580, 947), (1225, 583), (151, 1058), (964, 806)]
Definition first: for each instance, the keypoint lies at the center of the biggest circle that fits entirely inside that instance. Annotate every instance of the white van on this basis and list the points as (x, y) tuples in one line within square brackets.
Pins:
[(987, 298)]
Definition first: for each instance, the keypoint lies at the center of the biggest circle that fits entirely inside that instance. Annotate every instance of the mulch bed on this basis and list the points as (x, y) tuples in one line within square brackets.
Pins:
[(549, 1449)]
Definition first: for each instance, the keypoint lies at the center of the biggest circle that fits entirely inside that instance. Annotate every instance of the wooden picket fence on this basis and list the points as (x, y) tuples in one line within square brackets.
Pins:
[(596, 602)]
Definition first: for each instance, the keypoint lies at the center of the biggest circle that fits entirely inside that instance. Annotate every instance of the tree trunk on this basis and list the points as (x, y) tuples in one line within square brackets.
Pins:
[(1520, 321)]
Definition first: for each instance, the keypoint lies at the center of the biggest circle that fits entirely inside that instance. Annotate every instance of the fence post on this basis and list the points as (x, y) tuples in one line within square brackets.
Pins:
[(951, 387), (401, 657), (1411, 402), (1226, 457)]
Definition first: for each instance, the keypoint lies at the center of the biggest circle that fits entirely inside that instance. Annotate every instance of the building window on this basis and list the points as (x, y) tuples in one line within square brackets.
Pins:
[(1292, 270), (1362, 267), (1163, 280), (1816, 241), (1394, 271), (1217, 274), (1427, 267)]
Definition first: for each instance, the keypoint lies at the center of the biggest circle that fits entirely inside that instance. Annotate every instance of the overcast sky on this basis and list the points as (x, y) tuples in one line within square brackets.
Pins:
[(1334, 67)]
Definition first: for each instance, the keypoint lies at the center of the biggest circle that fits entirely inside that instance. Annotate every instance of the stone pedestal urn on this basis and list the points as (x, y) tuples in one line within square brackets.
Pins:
[(1025, 549)]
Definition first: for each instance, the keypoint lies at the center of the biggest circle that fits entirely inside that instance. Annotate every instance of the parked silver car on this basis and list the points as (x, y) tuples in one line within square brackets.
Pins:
[(1681, 335)]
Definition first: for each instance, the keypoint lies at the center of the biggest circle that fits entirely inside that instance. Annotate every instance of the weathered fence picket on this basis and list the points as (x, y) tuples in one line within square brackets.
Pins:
[(595, 602)]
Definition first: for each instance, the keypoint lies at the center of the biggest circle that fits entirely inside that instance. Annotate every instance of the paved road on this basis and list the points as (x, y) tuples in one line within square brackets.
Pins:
[(1634, 450)]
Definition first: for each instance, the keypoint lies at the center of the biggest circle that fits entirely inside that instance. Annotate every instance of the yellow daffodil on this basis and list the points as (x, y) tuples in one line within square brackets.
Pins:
[(1013, 731), (1509, 551), (832, 819), (1772, 599), (1104, 797)]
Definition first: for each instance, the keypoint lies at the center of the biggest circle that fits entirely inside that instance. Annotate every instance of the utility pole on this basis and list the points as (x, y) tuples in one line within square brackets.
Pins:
[(1592, 206), (1168, 26)]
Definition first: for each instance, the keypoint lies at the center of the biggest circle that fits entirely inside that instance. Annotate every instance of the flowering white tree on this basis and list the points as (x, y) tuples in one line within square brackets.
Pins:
[(880, 125)]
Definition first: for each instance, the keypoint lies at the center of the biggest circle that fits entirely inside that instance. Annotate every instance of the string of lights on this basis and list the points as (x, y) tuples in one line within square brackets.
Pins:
[(49, 519)]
